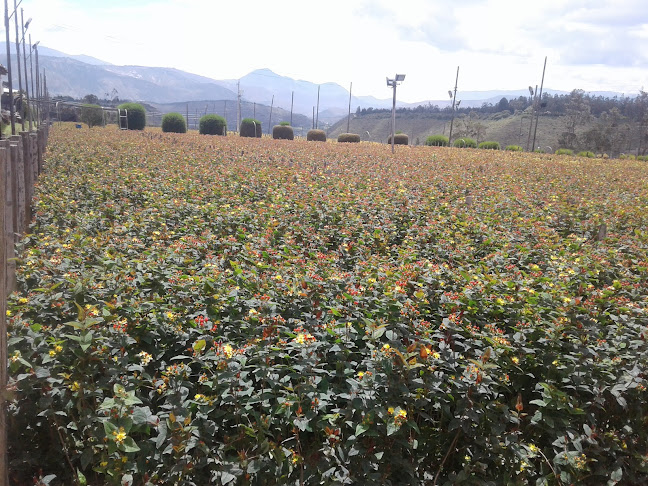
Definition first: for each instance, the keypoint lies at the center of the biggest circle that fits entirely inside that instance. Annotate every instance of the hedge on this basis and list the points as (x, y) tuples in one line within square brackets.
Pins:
[(316, 135), (283, 132), (212, 125), (349, 137), (399, 139), (174, 123), (250, 127), (136, 115), (437, 141), (489, 145), (465, 143)]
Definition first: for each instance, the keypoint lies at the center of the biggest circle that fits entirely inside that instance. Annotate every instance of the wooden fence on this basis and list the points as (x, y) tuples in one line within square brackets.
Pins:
[(21, 160)]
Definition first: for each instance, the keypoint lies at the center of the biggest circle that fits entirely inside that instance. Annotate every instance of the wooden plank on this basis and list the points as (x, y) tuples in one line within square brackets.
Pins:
[(15, 148), (8, 216)]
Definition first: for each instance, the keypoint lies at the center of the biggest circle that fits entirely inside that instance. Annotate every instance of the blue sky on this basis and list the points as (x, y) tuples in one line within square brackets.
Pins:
[(499, 44)]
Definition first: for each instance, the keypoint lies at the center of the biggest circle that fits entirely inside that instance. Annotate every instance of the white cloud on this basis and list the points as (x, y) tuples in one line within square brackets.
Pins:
[(499, 44)]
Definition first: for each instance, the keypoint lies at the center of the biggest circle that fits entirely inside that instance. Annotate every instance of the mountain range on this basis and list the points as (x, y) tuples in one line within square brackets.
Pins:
[(80, 75)]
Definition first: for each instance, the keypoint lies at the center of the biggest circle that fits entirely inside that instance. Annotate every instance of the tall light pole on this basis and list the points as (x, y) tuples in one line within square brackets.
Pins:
[(11, 104), (454, 98), (392, 83), (22, 98), (38, 84), (25, 27), (535, 130)]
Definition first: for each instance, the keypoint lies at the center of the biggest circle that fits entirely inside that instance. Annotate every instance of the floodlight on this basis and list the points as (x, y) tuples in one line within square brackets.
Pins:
[(450, 93), (400, 78), (35, 45), (531, 90), (458, 103), (27, 23)]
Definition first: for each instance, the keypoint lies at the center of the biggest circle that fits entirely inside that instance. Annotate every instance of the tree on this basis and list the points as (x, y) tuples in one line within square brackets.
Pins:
[(578, 113), (92, 115), (90, 99), (503, 105)]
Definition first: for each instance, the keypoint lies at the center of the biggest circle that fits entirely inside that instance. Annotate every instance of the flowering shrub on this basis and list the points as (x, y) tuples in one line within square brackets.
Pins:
[(262, 313)]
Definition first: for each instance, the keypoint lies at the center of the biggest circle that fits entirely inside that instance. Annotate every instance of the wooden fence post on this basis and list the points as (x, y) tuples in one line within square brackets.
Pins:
[(8, 216), (4, 469), (18, 172)]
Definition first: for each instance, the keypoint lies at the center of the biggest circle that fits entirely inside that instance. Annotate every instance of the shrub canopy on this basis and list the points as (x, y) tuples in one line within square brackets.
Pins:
[(136, 115), (349, 138), (465, 142), (174, 123), (250, 127), (437, 141), (283, 132), (212, 125), (316, 135)]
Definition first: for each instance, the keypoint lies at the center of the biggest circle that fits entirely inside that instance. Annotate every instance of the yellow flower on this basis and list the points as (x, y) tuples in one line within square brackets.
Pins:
[(58, 348), (386, 347), (52, 353), (402, 413), (74, 386), (436, 355), (360, 374), (228, 350), (533, 448), (515, 359), (390, 410), (23, 300), (120, 436)]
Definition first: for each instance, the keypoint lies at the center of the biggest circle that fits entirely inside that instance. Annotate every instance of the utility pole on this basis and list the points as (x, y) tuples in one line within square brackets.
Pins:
[(38, 84), (399, 78), (188, 126), (317, 113), (22, 98), (313, 118), (349, 115), (11, 100), (238, 112), (539, 102), (292, 104), (454, 99), (533, 103), (22, 21), (270, 120)]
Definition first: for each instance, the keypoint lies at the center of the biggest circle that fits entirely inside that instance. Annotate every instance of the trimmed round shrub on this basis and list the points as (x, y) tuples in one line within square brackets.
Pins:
[(643, 158), (489, 145), (283, 132), (349, 137), (174, 123), (437, 141), (465, 143), (136, 115), (284, 124), (399, 139), (250, 127), (513, 148), (92, 115), (212, 125), (586, 153), (564, 151), (316, 135)]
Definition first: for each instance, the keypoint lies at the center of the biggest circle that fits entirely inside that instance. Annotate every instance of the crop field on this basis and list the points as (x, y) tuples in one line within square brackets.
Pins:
[(196, 310)]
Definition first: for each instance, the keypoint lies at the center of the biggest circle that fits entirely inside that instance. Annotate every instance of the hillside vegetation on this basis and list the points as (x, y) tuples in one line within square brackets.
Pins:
[(575, 121)]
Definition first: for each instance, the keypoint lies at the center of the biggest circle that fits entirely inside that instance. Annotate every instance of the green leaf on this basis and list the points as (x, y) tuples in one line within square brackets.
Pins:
[(391, 428), (361, 429), (129, 445), (81, 478), (199, 345)]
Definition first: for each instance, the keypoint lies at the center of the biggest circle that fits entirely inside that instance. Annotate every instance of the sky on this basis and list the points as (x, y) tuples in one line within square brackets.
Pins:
[(595, 45)]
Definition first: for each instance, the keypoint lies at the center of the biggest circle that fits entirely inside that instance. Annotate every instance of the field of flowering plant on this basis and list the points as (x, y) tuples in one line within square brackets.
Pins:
[(201, 310)]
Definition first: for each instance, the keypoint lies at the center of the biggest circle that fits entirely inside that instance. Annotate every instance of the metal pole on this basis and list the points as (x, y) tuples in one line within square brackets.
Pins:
[(11, 100), (22, 98), (292, 104), (349, 115), (38, 87), (454, 98), (539, 101), (393, 127), (22, 21), (238, 97), (270, 120), (532, 112), (317, 112)]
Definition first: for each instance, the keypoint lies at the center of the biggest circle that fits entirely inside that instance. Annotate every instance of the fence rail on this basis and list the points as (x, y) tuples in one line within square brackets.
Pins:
[(21, 161)]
